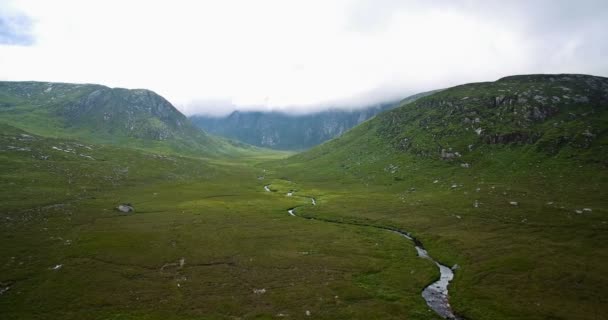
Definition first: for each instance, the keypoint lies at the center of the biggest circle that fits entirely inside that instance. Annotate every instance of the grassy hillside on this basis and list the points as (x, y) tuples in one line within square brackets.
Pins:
[(506, 179), (136, 118)]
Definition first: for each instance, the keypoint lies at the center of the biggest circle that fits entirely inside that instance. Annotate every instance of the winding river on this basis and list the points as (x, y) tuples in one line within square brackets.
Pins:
[(435, 294)]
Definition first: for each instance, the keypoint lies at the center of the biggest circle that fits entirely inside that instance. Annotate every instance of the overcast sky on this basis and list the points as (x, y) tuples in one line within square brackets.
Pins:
[(216, 56)]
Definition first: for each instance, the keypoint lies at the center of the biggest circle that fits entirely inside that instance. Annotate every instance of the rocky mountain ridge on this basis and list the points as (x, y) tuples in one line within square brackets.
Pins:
[(284, 131)]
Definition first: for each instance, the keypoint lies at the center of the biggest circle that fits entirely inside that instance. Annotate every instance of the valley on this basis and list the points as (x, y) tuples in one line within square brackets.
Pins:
[(503, 182)]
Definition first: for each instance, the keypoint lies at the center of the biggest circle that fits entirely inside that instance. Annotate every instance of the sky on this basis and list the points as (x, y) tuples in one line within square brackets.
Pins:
[(212, 57)]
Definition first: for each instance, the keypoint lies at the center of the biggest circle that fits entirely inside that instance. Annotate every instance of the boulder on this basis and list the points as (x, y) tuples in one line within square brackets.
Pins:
[(125, 207)]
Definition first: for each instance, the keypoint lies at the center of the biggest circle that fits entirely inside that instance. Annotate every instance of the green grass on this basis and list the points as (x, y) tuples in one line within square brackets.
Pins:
[(539, 260), (234, 238)]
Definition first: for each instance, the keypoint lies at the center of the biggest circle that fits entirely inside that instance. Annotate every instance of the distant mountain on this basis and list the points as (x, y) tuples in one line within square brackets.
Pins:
[(137, 118), (283, 131)]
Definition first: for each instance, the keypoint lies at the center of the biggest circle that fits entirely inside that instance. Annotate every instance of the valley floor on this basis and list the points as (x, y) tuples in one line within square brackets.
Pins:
[(206, 241)]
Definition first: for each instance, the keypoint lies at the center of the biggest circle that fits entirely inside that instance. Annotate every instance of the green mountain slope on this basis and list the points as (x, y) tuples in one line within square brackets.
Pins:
[(507, 179), (556, 115), (95, 113)]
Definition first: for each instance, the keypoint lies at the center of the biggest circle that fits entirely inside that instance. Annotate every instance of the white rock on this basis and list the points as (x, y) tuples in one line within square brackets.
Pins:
[(514, 203), (126, 208)]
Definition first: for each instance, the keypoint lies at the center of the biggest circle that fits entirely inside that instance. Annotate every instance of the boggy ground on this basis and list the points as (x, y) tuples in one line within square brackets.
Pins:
[(205, 242), (527, 232)]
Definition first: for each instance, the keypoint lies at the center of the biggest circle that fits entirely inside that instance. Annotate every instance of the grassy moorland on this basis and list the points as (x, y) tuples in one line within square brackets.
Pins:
[(520, 206), (205, 242)]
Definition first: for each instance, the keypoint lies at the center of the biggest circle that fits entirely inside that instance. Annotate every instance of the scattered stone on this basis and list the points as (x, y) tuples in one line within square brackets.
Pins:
[(514, 203), (587, 209), (588, 134), (465, 165), (125, 207), (476, 204), (436, 181), (478, 131), (308, 313), (57, 267), (455, 267), (454, 186), (19, 148), (580, 99), (446, 155), (391, 168), (259, 291)]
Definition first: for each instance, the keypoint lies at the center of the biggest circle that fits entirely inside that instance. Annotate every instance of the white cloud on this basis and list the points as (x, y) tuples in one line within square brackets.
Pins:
[(213, 56)]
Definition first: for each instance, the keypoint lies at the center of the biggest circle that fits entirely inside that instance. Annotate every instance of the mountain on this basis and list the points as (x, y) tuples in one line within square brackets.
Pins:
[(555, 115), (138, 118), (505, 181), (283, 131)]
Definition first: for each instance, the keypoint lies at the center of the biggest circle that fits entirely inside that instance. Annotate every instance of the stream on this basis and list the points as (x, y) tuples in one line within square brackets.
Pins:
[(435, 294)]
